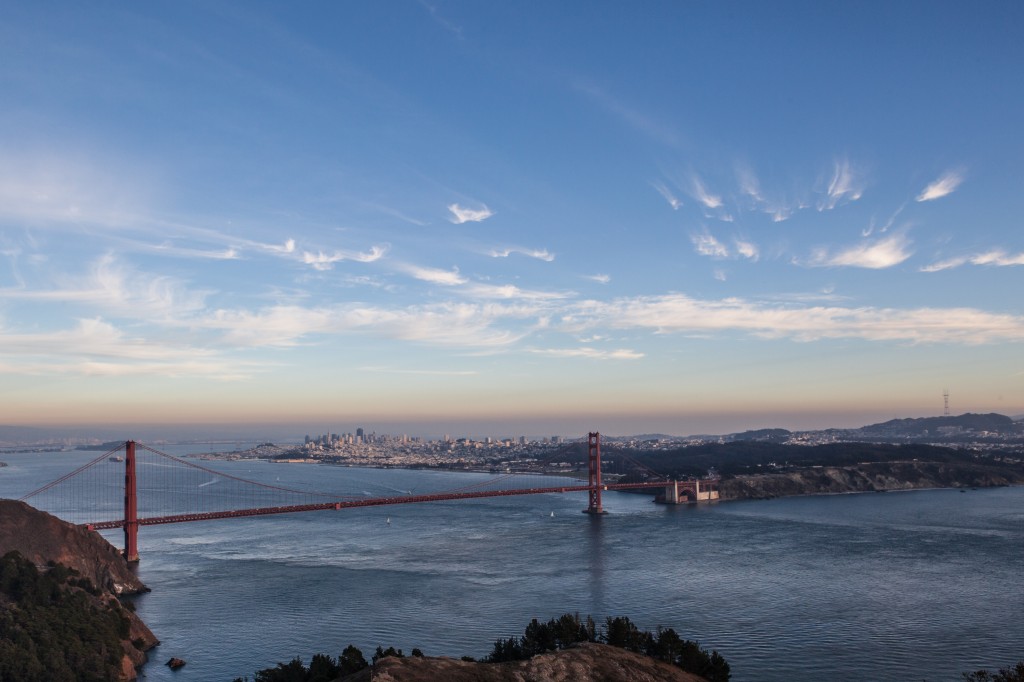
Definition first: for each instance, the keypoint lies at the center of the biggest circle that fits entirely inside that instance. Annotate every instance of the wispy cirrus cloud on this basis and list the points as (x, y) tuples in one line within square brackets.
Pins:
[(996, 258), (425, 372), (873, 254), (510, 291), (667, 194), (434, 275), (472, 326), (945, 185), (590, 353), (678, 313), (702, 194), (325, 261), (847, 184), (469, 215), (539, 254), (634, 117), (95, 347), (599, 278), (287, 247), (168, 249), (706, 244), (113, 288)]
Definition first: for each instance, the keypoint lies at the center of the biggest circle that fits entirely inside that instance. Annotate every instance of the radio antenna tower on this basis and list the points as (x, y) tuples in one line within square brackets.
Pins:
[(945, 400)]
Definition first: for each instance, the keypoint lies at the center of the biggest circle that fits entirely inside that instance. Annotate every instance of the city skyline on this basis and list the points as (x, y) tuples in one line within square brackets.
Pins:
[(680, 218)]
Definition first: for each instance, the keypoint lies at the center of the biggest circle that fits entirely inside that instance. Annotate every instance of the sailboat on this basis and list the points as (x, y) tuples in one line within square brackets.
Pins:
[(389, 521), (552, 514)]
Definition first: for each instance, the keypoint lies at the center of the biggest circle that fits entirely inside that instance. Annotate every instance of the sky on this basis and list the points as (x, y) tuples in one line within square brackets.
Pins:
[(442, 216)]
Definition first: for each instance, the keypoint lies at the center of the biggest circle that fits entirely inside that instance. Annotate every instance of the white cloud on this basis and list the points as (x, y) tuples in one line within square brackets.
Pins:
[(846, 185), (287, 247), (539, 254), (509, 291), (325, 261), (95, 347), (435, 275), (701, 194), (747, 249), (474, 326), (677, 313), (945, 185), (707, 245), (168, 249), (997, 257), (469, 215), (426, 372), (720, 275), (666, 193), (878, 254), (599, 278), (749, 184), (592, 353), (117, 289)]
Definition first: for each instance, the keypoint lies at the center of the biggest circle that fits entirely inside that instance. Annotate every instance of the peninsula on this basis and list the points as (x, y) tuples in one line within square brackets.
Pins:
[(61, 612)]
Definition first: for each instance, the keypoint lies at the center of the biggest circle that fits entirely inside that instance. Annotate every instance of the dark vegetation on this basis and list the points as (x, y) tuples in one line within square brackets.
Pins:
[(746, 457), (563, 632), (54, 627), (568, 630), (1014, 674)]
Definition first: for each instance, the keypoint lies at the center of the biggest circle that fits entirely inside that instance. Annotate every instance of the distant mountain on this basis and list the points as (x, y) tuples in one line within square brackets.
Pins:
[(992, 422)]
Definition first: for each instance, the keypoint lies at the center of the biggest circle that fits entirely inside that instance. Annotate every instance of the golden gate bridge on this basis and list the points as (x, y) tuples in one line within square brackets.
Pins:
[(91, 497)]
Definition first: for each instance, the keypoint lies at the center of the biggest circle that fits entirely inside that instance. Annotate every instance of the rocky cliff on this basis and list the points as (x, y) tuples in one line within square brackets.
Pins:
[(867, 477), (46, 540), (584, 663)]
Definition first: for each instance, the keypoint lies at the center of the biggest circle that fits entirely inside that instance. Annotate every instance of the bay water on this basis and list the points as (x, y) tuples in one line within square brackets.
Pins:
[(918, 585)]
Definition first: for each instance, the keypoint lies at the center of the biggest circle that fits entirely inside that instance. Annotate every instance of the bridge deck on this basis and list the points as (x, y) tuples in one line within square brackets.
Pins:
[(371, 502)]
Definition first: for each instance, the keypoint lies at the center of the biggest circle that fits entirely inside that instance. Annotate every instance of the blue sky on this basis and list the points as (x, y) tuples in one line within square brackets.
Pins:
[(497, 218)]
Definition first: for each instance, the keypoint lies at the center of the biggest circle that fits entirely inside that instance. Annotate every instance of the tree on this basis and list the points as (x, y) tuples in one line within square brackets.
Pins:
[(385, 653), (351, 660), (293, 671), (1014, 674), (323, 668)]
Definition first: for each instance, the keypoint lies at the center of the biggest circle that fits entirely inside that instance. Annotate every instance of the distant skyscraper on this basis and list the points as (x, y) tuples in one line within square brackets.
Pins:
[(359, 432)]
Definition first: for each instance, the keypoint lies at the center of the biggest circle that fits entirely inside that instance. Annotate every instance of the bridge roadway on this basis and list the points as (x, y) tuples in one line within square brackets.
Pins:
[(369, 502)]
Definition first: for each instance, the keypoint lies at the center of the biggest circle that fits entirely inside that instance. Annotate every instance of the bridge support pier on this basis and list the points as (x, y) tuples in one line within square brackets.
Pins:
[(594, 474), (690, 492), (131, 506)]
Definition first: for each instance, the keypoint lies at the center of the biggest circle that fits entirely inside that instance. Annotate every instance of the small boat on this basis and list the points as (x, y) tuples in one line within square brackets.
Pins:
[(552, 514), (388, 521), (115, 458)]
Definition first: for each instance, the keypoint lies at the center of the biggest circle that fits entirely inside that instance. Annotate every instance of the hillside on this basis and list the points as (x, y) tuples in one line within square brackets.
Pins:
[(60, 568), (588, 662), (866, 477)]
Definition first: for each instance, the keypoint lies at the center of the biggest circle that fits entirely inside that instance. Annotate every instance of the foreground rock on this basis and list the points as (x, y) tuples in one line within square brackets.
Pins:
[(45, 540), (584, 663), (868, 477), (41, 537)]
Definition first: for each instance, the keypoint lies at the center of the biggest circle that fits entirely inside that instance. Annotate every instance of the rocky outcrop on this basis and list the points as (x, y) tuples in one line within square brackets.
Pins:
[(45, 540), (584, 663), (41, 538), (866, 477)]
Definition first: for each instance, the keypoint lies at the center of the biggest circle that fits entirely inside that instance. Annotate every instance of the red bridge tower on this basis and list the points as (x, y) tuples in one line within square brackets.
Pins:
[(594, 474), (131, 506)]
